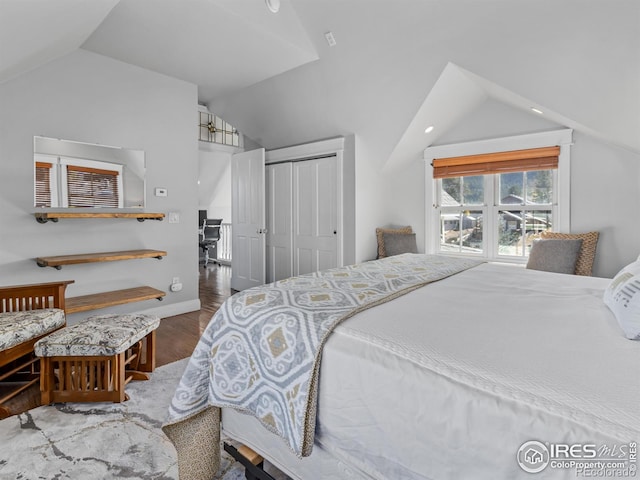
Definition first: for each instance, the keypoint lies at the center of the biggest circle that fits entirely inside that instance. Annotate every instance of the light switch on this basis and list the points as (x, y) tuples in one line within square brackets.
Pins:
[(160, 192)]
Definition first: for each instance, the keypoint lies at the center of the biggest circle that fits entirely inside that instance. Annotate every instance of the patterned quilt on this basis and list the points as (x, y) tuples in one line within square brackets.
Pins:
[(261, 352)]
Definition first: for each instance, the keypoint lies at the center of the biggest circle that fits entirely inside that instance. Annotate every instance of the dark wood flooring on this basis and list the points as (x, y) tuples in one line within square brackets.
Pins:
[(176, 337)]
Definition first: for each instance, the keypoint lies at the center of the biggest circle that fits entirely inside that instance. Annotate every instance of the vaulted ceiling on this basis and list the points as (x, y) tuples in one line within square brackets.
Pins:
[(396, 67)]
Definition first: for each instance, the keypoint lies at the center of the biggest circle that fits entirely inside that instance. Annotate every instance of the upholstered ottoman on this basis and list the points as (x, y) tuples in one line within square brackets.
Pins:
[(92, 361), (19, 331)]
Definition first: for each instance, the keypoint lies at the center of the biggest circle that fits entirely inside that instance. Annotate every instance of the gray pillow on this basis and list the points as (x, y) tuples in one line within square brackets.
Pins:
[(554, 255), (397, 243)]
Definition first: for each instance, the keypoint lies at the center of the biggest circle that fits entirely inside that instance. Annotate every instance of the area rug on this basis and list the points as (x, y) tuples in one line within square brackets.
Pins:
[(100, 440)]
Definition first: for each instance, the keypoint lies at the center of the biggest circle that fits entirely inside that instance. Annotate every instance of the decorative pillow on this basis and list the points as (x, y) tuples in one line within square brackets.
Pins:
[(584, 264), (397, 243), (381, 231), (553, 255), (623, 299)]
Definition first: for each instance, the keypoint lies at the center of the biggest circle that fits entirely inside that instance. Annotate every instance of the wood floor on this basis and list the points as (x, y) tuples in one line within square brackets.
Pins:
[(176, 337)]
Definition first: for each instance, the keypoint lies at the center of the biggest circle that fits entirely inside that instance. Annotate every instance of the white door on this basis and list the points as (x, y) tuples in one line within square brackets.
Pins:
[(279, 221), (248, 220), (315, 215)]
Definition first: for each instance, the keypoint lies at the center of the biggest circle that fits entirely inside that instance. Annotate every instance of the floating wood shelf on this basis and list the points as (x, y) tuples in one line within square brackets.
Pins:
[(109, 299), (58, 261), (44, 217)]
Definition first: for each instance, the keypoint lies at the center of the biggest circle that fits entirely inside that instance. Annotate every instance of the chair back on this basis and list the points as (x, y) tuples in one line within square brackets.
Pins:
[(211, 229)]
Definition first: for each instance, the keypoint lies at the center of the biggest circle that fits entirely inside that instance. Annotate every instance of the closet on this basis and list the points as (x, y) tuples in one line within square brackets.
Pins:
[(303, 209)]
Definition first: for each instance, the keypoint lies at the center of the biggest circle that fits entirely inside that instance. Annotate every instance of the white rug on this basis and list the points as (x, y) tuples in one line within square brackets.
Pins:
[(101, 441)]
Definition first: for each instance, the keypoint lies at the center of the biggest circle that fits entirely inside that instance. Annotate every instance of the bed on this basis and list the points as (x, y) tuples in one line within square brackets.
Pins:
[(473, 375)]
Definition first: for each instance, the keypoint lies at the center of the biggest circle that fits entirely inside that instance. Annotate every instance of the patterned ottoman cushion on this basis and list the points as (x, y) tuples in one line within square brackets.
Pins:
[(19, 327), (100, 335)]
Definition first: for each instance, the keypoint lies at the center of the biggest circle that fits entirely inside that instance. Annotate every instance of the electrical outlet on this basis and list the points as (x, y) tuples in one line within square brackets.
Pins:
[(176, 280), (174, 217)]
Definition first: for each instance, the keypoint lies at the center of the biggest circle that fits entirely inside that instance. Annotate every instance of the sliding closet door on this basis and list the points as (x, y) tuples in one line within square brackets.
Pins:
[(315, 215), (279, 221)]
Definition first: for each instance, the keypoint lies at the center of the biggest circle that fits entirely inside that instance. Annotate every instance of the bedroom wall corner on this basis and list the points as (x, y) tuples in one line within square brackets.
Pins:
[(605, 195), (370, 200)]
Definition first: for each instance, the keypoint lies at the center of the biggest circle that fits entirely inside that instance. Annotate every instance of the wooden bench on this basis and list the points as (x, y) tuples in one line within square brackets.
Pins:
[(94, 360), (27, 314)]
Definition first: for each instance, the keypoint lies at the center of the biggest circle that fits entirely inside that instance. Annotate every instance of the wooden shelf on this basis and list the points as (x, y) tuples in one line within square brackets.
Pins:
[(57, 261), (109, 299), (44, 217)]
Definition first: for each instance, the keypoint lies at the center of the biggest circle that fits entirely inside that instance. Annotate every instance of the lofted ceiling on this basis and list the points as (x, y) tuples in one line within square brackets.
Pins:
[(397, 66), (220, 45)]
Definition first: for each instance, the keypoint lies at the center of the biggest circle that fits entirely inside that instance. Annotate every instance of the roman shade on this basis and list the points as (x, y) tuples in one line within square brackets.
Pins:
[(43, 184), (545, 158), (92, 187)]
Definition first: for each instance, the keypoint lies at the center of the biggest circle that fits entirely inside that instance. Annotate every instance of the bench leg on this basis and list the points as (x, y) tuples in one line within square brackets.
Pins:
[(47, 380), (120, 379), (149, 364), (140, 368)]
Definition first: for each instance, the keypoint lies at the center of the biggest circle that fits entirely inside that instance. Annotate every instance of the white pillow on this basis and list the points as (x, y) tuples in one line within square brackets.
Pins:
[(622, 296)]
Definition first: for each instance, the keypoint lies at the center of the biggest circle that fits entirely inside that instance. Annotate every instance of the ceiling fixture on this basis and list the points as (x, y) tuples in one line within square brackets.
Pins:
[(429, 129), (273, 5), (537, 110)]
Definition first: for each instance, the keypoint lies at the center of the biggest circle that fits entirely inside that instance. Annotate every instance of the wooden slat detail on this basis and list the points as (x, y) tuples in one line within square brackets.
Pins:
[(32, 297), (60, 260), (109, 299), (253, 457), (44, 216)]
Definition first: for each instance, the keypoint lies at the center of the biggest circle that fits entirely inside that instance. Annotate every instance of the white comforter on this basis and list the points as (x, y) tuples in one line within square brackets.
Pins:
[(448, 381)]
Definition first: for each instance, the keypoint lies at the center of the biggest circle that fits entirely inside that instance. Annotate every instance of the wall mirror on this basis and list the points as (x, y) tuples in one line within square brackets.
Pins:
[(84, 175)]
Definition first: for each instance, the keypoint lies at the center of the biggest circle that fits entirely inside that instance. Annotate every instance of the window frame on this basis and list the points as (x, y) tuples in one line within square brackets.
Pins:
[(560, 207)]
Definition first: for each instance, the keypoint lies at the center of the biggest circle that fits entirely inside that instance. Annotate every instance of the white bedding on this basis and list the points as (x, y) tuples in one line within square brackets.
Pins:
[(449, 380)]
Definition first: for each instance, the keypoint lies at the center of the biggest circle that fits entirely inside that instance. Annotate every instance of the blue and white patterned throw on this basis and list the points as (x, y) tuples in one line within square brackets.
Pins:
[(261, 352)]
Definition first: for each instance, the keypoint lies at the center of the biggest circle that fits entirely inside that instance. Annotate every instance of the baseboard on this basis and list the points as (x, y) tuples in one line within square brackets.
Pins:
[(174, 308)]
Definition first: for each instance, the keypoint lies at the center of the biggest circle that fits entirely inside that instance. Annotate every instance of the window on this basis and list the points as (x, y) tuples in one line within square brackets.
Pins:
[(77, 182), (515, 206), (213, 129), (494, 205), (92, 187), (43, 184)]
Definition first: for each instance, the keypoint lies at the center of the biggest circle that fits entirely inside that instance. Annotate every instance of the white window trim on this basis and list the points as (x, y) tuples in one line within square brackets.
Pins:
[(561, 138)]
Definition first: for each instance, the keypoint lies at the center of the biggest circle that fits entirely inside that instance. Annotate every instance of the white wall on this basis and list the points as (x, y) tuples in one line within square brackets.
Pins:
[(214, 177), (90, 98), (605, 195)]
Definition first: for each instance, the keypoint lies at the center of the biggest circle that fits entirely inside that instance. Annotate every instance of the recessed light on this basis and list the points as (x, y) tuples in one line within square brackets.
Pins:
[(273, 5), (537, 110), (429, 129)]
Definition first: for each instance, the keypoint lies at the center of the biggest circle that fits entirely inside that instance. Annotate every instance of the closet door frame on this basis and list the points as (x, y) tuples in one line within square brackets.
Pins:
[(311, 151)]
